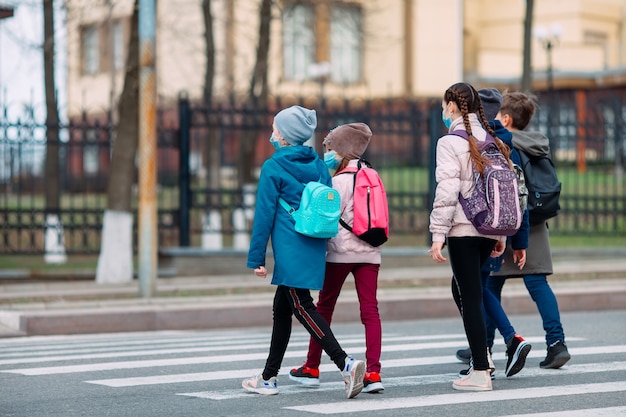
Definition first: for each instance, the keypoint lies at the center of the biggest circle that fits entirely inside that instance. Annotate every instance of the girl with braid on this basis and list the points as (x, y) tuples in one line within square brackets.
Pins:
[(467, 248)]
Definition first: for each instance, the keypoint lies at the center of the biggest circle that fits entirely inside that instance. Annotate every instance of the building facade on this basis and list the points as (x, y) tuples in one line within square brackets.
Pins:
[(354, 49)]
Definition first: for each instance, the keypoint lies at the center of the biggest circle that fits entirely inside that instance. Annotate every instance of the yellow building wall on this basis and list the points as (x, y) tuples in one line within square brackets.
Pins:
[(449, 41)]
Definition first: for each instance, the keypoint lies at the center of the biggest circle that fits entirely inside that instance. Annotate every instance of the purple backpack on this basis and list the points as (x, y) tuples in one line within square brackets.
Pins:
[(493, 206)]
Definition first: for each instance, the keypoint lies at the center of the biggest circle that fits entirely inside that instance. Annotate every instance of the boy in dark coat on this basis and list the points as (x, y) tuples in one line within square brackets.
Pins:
[(515, 114)]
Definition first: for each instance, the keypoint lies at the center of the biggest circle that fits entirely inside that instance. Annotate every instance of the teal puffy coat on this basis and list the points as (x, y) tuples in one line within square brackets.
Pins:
[(299, 261)]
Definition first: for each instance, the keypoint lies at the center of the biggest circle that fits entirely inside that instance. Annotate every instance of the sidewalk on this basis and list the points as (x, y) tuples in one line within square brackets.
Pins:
[(410, 287)]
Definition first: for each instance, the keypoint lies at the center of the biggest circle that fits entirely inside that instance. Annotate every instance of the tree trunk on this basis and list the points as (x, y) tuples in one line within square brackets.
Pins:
[(115, 263), (212, 237), (527, 65), (209, 73), (54, 243), (257, 96)]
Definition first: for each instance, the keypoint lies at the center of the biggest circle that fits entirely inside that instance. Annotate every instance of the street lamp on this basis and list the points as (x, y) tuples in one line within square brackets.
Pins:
[(549, 38), (320, 71)]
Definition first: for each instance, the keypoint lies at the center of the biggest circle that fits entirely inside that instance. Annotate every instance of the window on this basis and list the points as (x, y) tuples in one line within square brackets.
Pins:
[(594, 37), (104, 47), (119, 59), (319, 32), (298, 41), (345, 44), (90, 153), (91, 50)]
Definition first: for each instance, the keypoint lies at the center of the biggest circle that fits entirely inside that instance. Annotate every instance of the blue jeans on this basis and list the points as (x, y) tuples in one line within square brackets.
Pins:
[(495, 317), (544, 298)]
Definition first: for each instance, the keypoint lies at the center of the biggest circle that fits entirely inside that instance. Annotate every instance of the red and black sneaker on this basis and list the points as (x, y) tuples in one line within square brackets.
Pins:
[(309, 377), (371, 383)]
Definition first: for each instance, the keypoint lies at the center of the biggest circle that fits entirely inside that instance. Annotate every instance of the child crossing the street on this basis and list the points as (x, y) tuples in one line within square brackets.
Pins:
[(344, 147), (298, 259)]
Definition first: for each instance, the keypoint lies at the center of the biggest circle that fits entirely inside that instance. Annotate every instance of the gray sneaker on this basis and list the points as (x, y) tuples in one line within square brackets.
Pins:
[(258, 385), (353, 373), (464, 355)]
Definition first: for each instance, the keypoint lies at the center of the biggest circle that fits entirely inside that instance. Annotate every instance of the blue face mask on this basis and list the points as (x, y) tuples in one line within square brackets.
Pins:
[(446, 120), (330, 160), (274, 142)]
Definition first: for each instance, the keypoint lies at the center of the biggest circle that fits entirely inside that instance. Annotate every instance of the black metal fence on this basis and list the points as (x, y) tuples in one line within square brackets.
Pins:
[(204, 203)]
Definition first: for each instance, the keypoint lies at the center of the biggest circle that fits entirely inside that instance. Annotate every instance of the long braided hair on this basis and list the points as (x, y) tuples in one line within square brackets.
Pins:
[(466, 98)]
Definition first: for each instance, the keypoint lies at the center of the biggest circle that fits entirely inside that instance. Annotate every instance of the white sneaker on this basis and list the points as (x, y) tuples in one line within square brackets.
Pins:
[(474, 381), (260, 386), (353, 373)]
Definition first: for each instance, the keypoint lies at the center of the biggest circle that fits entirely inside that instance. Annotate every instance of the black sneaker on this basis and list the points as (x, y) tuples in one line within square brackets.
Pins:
[(466, 372), (516, 351), (557, 356), (464, 355)]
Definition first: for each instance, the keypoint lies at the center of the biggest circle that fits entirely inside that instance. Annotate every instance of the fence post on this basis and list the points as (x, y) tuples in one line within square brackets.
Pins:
[(184, 191), (434, 131)]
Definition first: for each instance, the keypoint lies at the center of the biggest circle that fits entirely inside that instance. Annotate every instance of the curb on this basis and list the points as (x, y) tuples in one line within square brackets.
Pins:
[(249, 310)]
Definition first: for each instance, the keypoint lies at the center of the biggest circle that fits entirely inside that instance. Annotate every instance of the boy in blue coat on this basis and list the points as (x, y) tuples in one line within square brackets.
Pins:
[(299, 261)]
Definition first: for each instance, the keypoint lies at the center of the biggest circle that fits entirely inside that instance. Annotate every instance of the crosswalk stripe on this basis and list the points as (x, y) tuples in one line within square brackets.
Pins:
[(130, 344), (409, 381), (181, 349), (233, 374), (459, 398), (595, 412), (108, 366), (202, 347)]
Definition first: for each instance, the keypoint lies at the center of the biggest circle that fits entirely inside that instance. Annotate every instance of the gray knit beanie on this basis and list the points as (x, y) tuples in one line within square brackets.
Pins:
[(296, 124)]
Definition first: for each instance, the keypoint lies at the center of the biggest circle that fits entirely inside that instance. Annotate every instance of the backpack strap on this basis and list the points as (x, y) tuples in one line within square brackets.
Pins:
[(286, 206), (282, 202), (290, 210), (464, 135), (351, 170)]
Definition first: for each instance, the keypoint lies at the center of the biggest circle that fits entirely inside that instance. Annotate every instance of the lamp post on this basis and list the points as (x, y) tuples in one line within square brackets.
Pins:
[(320, 72), (549, 38)]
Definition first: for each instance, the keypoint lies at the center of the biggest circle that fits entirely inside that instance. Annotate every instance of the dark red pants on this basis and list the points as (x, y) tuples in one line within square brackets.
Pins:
[(366, 283)]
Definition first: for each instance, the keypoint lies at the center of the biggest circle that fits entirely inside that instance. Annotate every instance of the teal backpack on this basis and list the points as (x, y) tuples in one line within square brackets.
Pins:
[(319, 211)]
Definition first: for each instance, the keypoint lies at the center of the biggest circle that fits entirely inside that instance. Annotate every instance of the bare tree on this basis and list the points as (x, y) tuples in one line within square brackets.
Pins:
[(55, 246), (209, 73), (115, 263), (212, 220), (527, 65), (257, 95)]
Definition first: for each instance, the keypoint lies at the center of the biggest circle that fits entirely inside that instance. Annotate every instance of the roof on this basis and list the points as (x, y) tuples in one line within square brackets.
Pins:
[(5, 11)]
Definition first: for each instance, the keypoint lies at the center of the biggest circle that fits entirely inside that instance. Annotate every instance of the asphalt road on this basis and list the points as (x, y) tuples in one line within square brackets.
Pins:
[(199, 373)]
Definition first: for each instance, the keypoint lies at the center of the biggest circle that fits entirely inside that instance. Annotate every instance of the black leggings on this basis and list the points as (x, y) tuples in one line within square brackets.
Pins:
[(287, 302), (467, 256)]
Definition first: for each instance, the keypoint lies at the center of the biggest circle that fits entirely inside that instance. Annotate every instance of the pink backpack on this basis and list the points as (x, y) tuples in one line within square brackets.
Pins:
[(371, 213)]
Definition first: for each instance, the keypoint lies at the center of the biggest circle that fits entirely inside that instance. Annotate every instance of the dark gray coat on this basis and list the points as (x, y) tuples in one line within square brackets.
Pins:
[(538, 254)]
